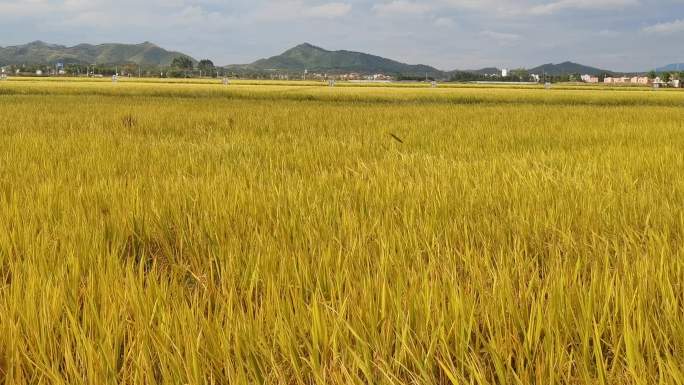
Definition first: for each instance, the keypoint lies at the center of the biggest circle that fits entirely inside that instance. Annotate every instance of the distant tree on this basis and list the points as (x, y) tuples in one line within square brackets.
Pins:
[(575, 77), (652, 75), (205, 65), (520, 74), (681, 75), (461, 76), (666, 76), (182, 62), (129, 69)]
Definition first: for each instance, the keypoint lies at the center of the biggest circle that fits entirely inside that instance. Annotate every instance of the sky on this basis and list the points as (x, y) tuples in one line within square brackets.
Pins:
[(619, 35)]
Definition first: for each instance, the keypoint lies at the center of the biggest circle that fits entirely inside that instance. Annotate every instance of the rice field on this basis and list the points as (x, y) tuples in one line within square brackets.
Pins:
[(296, 234)]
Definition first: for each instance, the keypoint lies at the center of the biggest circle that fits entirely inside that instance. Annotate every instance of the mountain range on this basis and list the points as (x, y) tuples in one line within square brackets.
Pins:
[(38, 52), (672, 67), (310, 57), (298, 59)]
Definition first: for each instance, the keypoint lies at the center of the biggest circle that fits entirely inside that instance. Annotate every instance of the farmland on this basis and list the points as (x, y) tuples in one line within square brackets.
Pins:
[(290, 233)]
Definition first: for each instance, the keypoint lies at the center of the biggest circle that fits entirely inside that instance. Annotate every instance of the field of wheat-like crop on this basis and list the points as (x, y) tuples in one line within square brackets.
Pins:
[(273, 233)]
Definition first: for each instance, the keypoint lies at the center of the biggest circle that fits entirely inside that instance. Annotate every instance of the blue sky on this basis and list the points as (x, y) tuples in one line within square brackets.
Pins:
[(623, 35)]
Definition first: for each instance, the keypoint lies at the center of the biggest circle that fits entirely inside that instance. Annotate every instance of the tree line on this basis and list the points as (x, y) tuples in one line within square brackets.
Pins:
[(181, 66)]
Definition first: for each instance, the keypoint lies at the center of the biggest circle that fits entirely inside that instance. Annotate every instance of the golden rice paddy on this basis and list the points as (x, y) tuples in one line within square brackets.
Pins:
[(292, 233)]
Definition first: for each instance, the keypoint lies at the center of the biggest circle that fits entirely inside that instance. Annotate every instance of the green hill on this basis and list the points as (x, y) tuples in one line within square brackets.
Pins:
[(38, 52), (567, 68), (316, 59)]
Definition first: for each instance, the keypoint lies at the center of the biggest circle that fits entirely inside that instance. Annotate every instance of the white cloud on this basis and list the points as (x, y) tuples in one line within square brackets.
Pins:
[(444, 22), (330, 10), (560, 5), (189, 18), (501, 36), (609, 33), (516, 8), (283, 10), (666, 28), (402, 7), (490, 7)]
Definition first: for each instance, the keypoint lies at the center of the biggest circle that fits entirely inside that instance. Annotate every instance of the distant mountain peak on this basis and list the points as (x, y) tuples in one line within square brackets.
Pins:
[(566, 68), (309, 46), (307, 56)]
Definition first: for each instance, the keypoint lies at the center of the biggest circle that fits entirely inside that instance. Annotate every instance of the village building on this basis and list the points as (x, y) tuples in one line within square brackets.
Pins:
[(590, 79), (350, 76), (659, 83), (379, 77), (621, 80), (640, 80)]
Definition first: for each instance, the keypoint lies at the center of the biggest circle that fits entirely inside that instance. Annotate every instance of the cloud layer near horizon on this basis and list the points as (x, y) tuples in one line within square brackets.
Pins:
[(449, 34)]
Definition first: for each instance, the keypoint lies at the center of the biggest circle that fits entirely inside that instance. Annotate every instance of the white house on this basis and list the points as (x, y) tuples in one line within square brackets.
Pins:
[(659, 83), (504, 72), (620, 80), (590, 79), (639, 80)]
